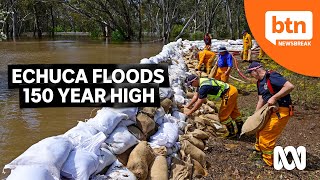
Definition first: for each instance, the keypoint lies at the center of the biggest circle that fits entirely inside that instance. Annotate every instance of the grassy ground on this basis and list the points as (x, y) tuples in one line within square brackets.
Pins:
[(234, 159)]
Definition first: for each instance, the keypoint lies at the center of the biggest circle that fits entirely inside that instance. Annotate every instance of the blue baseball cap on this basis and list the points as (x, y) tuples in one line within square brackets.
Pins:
[(190, 79), (254, 65)]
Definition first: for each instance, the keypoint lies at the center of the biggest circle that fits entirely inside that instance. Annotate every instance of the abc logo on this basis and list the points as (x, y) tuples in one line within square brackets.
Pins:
[(288, 25), (299, 158)]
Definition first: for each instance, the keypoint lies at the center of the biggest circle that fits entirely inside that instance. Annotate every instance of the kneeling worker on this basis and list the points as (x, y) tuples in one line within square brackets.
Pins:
[(212, 90), (272, 89)]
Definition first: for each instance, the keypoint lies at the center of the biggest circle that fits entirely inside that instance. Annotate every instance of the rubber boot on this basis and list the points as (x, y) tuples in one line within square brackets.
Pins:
[(239, 126), (232, 128)]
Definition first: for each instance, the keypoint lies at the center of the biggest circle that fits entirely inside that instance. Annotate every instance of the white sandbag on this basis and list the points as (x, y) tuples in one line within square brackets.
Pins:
[(120, 140), (167, 135), (179, 99), (179, 115), (146, 61), (159, 115), (165, 93), (169, 118), (80, 165), (173, 149), (178, 91), (49, 153), (131, 112), (92, 144), (126, 123), (119, 172), (106, 120), (80, 133), (106, 158), (30, 173)]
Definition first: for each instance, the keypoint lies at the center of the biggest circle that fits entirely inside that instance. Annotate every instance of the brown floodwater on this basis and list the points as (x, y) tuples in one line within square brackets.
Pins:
[(20, 128)]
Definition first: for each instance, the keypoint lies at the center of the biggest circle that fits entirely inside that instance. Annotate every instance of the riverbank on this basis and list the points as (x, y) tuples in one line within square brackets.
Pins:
[(231, 159)]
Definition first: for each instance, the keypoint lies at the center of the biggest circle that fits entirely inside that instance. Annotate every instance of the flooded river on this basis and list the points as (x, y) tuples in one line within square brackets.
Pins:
[(20, 128)]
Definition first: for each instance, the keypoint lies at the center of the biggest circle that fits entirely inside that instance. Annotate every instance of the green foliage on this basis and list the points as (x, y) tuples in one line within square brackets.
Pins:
[(117, 36), (198, 35), (176, 30), (58, 28)]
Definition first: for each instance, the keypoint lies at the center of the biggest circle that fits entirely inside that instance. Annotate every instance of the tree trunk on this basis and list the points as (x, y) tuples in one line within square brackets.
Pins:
[(211, 17), (229, 19), (186, 25), (38, 29), (52, 21), (140, 21)]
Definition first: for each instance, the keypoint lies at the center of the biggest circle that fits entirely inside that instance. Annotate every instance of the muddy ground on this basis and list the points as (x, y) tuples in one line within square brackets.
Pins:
[(234, 159)]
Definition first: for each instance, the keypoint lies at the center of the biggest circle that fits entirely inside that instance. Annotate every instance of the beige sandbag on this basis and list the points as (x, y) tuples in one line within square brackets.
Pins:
[(197, 133), (214, 117), (198, 170), (195, 153), (166, 104), (211, 131), (196, 113), (160, 151), (137, 132), (181, 170), (208, 110), (145, 123), (258, 120), (203, 74), (190, 66), (140, 160), (197, 142), (159, 169), (189, 128), (211, 104), (123, 158), (150, 111), (185, 110), (152, 132), (199, 123), (190, 95), (213, 71)]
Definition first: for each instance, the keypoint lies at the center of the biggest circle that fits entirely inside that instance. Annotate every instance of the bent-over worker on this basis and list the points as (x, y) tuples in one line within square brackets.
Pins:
[(212, 89)]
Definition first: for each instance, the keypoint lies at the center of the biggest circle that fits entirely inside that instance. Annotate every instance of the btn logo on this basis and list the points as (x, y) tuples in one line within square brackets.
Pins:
[(289, 28), (299, 156)]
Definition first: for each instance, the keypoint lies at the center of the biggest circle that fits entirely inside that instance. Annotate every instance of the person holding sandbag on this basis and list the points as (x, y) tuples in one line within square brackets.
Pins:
[(224, 65), (212, 89), (273, 89)]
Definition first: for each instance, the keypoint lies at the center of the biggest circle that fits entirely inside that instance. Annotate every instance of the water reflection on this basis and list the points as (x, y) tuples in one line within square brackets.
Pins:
[(20, 128)]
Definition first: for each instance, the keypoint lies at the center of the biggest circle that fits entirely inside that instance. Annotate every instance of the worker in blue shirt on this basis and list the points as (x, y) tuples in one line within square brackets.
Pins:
[(225, 63)]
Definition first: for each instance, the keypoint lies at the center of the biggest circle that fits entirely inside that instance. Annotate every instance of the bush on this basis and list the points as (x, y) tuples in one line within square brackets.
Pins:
[(176, 30), (95, 33), (58, 29), (198, 35), (117, 36)]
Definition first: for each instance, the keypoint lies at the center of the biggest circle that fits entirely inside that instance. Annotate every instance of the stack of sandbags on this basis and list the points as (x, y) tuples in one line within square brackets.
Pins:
[(140, 160), (42, 160)]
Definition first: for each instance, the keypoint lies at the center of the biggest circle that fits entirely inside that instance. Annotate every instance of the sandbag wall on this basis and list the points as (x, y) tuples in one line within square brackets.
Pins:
[(132, 143)]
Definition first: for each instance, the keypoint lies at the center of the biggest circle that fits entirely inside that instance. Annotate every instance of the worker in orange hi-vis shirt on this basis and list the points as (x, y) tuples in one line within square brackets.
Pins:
[(206, 57), (247, 45)]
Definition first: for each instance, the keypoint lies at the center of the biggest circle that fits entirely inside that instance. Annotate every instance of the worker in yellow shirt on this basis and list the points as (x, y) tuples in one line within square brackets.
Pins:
[(247, 45), (205, 57)]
